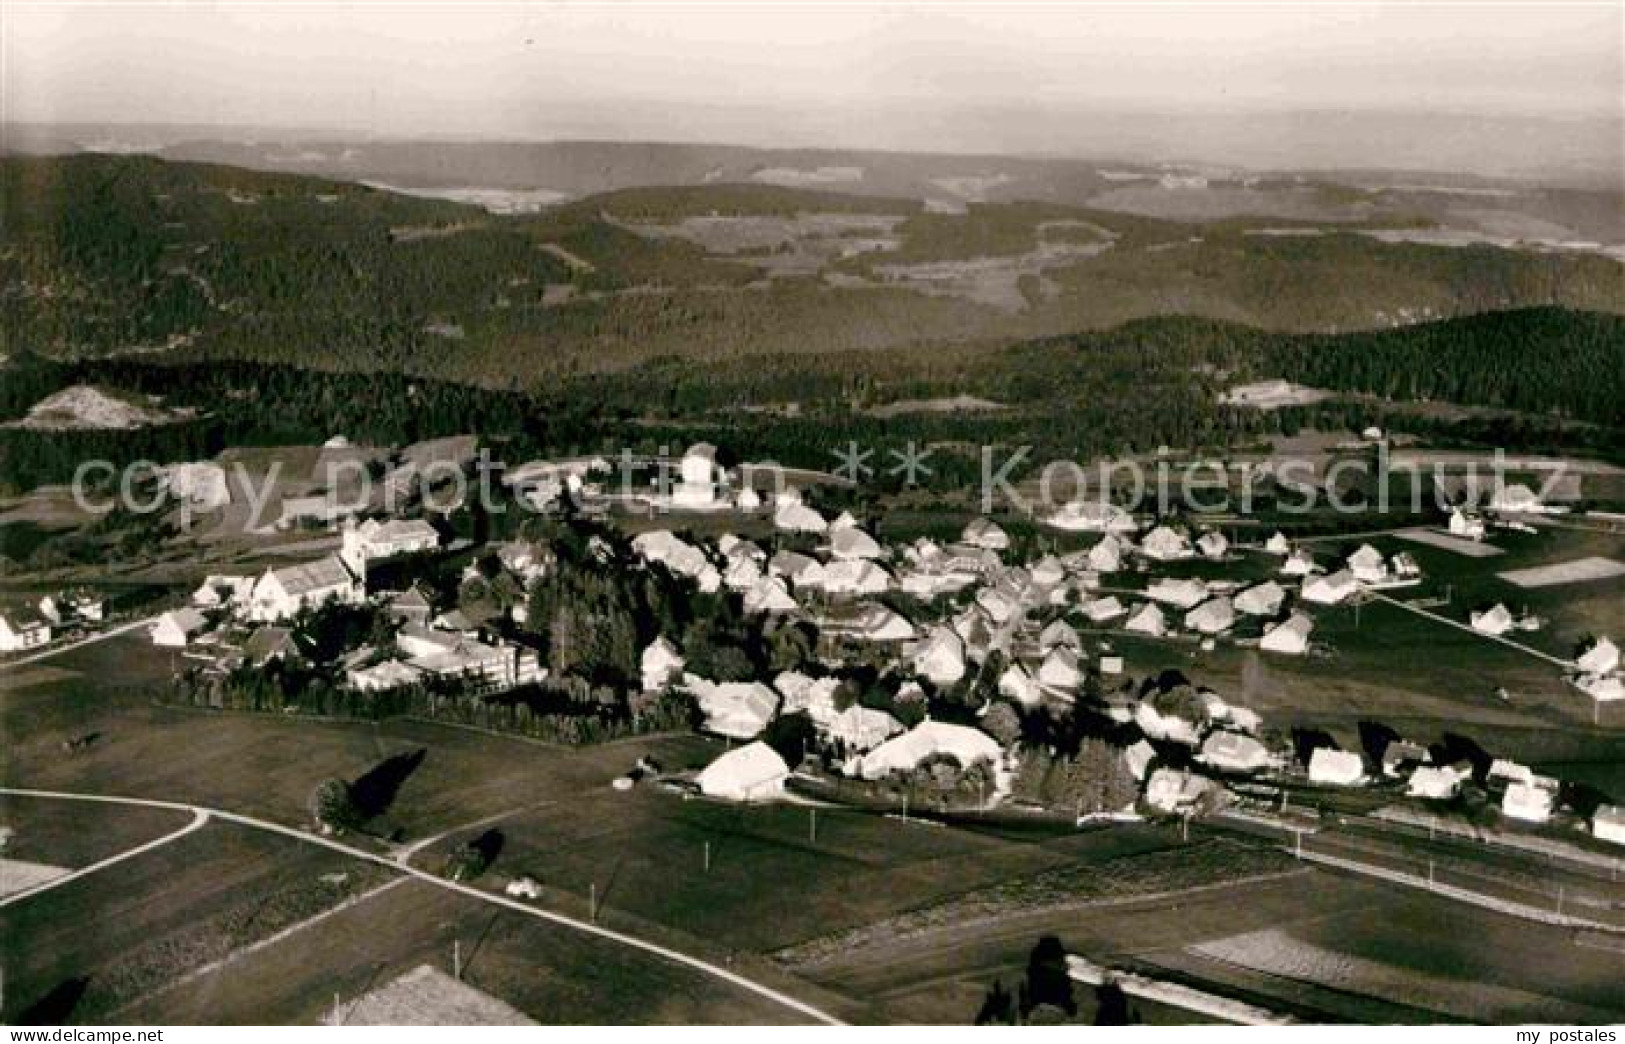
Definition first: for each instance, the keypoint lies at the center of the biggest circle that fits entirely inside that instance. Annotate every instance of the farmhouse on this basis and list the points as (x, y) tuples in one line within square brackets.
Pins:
[(1368, 565), (1278, 544), (1060, 669), (1167, 723), (218, 590), (1261, 599), (851, 542), (754, 772), (742, 573), (176, 628), (1101, 610), (812, 697), (281, 593), (1234, 752), (391, 674), (796, 517), (1213, 616), (876, 623), (860, 729), (769, 595), (1600, 657), (940, 658), (1517, 498), (1017, 684), (1106, 556), (1092, 516), (1165, 545), (373, 539), (1291, 636), (985, 534), (1434, 783), (1300, 562), (1148, 619), (679, 556), (1139, 757), (1059, 632), (660, 665), (855, 577), (1181, 593), (1339, 768), (1170, 790), (929, 739), (1213, 544), (700, 479), (1608, 823), (1048, 571), (1329, 590), (1528, 802), (1494, 621), (22, 629), (739, 710), (1468, 527), (73, 605)]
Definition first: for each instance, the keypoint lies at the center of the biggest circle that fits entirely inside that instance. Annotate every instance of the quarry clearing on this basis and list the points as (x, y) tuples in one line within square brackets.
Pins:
[(85, 407)]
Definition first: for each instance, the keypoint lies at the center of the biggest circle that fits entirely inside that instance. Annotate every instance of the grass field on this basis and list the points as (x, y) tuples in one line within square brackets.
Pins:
[(125, 931), (550, 973), (79, 834)]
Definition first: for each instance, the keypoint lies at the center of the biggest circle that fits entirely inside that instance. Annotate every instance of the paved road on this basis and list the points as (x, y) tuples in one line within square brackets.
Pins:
[(675, 956), (99, 636), (199, 817)]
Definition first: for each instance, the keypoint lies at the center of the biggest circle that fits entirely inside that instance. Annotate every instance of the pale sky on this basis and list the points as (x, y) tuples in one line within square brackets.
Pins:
[(791, 74)]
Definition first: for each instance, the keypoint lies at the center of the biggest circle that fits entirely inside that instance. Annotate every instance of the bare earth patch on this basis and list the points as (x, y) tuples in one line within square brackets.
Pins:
[(427, 996), (18, 876)]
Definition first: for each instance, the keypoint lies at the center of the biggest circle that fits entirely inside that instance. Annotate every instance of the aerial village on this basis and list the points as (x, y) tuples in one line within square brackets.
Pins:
[(964, 669)]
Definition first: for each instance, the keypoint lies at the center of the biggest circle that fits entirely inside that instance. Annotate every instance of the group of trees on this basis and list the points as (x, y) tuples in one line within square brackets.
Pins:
[(1046, 995)]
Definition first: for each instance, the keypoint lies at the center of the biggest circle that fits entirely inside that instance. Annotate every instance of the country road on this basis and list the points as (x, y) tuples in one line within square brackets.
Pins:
[(99, 636), (675, 956)]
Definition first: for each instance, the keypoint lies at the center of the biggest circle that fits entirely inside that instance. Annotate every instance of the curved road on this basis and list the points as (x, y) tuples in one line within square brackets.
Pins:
[(202, 815)]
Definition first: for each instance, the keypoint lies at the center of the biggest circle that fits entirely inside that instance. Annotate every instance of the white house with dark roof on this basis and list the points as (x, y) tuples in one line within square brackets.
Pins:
[(177, 628), (281, 593), (22, 629)]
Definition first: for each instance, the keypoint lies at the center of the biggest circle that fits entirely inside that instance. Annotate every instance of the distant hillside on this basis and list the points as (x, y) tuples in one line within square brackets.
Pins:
[(105, 255)]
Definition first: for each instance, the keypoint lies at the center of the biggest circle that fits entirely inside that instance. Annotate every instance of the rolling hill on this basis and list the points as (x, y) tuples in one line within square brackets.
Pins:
[(104, 255)]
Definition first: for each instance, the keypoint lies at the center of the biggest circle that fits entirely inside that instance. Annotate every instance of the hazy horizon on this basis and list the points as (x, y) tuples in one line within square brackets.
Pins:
[(1489, 88)]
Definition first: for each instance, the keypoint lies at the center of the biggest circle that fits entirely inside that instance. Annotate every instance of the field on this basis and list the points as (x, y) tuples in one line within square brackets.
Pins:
[(111, 937), (1461, 546), (1580, 570)]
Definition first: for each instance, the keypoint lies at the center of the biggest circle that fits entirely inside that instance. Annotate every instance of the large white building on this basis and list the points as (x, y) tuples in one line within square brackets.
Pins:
[(373, 539), (281, 593)]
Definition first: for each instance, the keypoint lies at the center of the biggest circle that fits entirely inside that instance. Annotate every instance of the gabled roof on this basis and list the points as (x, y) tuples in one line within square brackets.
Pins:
[(319, 575), (268, 642), (22, 619)]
